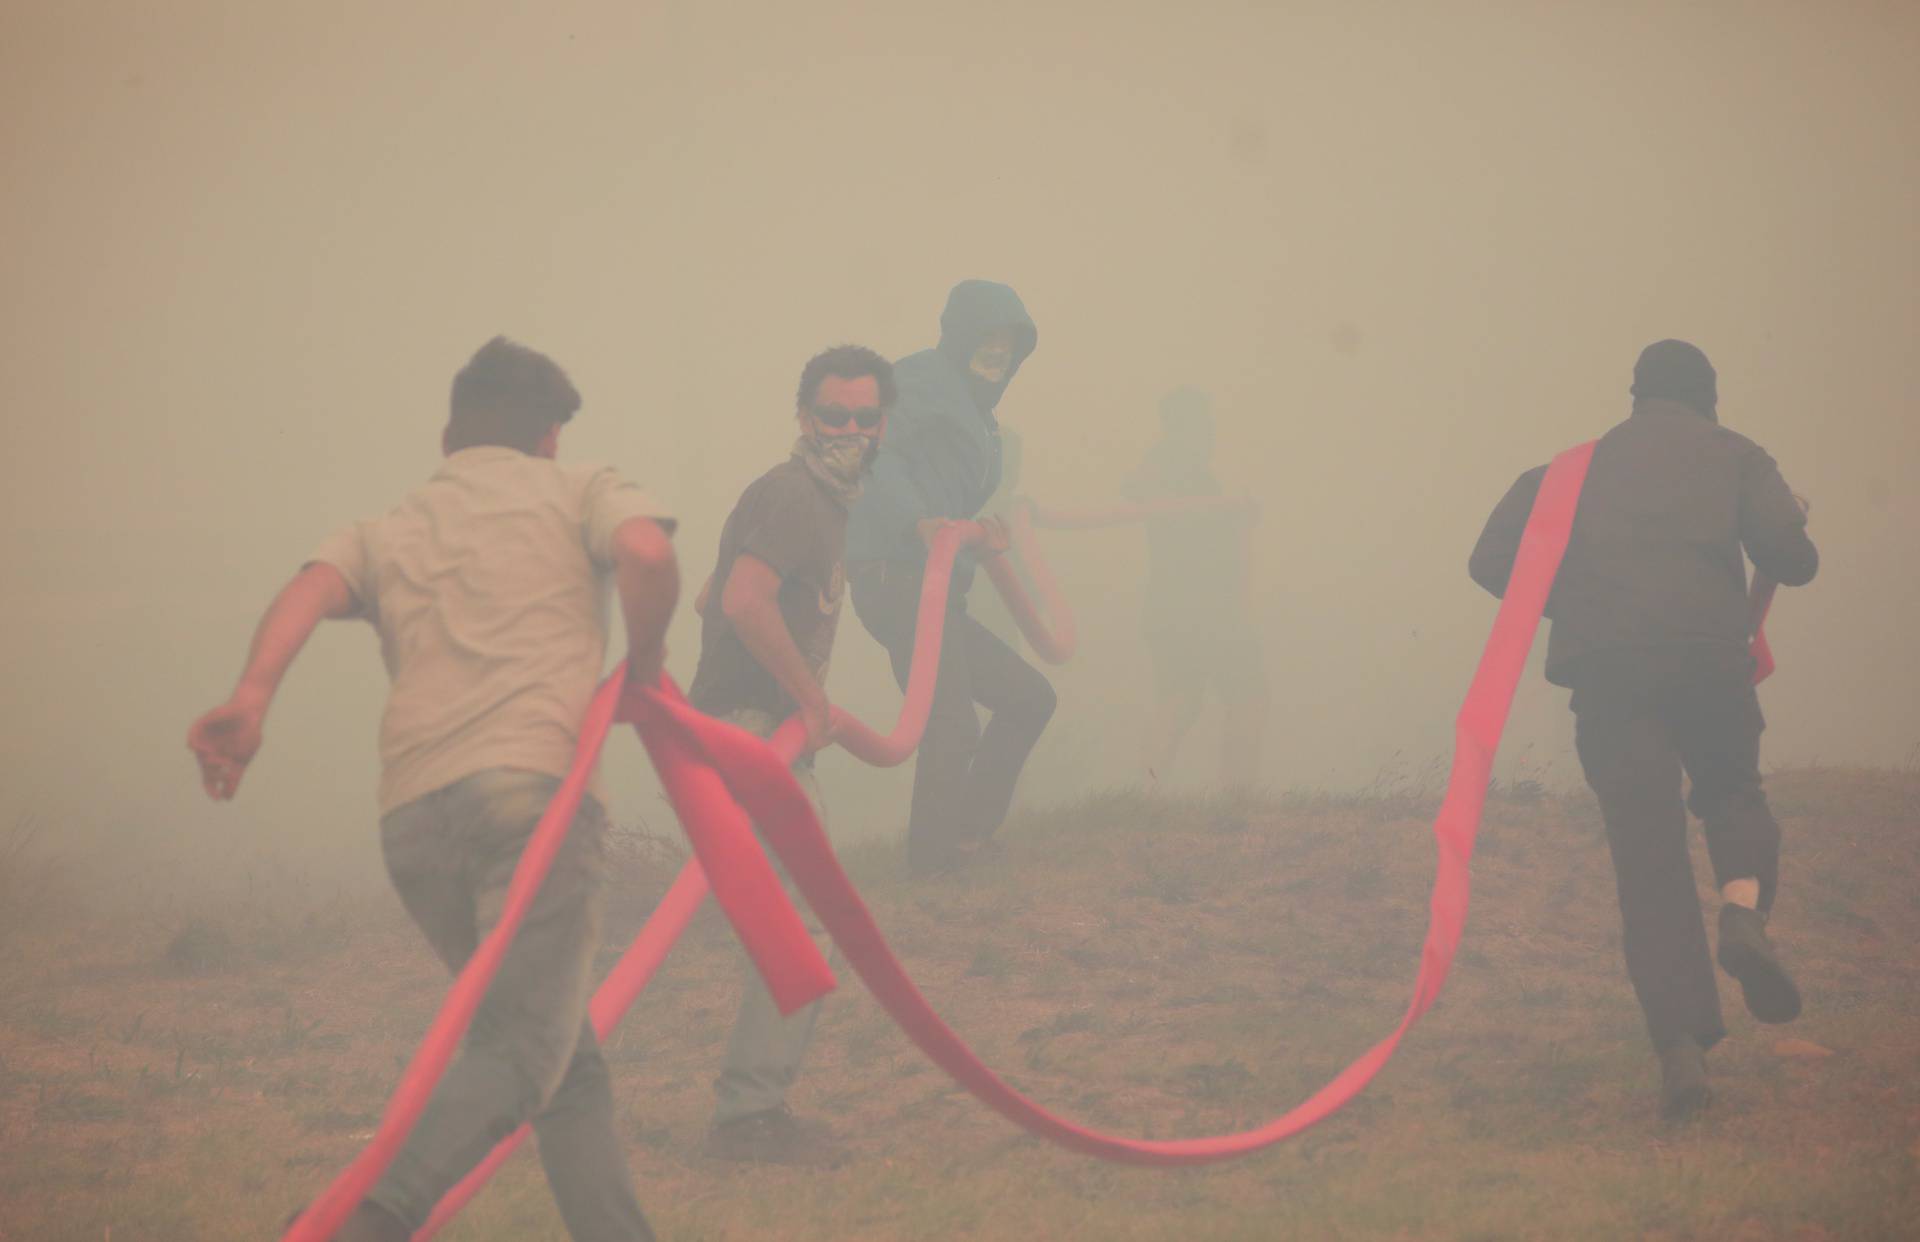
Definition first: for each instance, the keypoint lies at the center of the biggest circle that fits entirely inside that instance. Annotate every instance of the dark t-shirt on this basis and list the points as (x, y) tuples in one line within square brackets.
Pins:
[(788, 520)]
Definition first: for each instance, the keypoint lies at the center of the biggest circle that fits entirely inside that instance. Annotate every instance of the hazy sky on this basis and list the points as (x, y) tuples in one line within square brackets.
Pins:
[(1411, 249)]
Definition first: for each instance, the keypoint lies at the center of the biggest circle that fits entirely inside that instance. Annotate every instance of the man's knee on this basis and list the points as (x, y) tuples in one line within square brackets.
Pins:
[(541, 1062), (538, 1047), (1722, 801), (1739, 824), (1039, 701), (585, 1073), (1764, 832), (1631, 774)]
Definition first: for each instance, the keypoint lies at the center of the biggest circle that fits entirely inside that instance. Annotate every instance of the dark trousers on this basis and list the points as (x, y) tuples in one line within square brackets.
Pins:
[(964, 775), (1642, 717)]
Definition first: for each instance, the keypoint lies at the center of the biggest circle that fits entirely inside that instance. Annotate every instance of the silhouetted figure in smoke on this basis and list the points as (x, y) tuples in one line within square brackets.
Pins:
[(768, 618), (1198, 623), (488, 586), (1651, 632), (942, 460)]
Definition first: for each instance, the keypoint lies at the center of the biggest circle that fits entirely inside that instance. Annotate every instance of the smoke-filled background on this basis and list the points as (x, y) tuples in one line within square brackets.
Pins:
[(1412, 250)]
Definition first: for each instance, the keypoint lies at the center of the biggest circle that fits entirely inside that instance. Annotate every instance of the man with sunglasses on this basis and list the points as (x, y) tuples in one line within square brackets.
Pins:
[(768, 616)]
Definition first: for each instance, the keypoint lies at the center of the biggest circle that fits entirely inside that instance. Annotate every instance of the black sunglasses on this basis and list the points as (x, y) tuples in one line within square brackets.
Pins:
[(868, 416)]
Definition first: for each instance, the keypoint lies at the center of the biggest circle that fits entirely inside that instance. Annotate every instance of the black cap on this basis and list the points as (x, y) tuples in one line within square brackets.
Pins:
[(1676, 371)]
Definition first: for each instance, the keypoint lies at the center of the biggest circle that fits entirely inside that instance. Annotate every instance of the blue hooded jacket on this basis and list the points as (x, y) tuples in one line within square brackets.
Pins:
[(941, 454)]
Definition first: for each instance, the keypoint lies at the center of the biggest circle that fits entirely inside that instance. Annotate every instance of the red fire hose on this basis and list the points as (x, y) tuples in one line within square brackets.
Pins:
[(724, 782)]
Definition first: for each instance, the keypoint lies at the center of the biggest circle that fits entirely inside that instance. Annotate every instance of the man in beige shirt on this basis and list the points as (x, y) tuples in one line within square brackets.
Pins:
[(489, 588)]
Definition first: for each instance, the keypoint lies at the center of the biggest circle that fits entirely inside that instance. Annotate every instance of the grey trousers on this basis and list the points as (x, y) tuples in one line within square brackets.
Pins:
[(530, 1053), (765, 1050)]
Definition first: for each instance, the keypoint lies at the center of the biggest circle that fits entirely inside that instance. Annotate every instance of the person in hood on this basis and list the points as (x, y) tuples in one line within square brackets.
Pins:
[(1651, 631), (768, 617), (1196, 617), (943, 460)]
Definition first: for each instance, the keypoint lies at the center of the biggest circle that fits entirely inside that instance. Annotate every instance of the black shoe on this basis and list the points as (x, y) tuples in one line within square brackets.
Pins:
[(1746, 954), (985, 850), (946, 857), (931, 858), (1683, 1080), (776, 1136)]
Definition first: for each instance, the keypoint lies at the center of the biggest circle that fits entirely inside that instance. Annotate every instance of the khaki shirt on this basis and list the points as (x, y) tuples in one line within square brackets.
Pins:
[(489, 586)]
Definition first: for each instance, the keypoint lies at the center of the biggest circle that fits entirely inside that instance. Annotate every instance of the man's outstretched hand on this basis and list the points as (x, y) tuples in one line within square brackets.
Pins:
[(998, 537), (821, 723), (930, 529), (224, 741)]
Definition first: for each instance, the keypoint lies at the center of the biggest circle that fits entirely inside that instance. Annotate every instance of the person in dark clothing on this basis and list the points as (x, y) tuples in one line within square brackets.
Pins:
[(942, 460), (768, 616), (987, 607), (1651, 633), (1198, 625)]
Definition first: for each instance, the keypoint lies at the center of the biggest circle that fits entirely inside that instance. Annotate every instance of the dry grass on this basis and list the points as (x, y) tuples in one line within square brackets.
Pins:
[(32, 880), (1156, 967)]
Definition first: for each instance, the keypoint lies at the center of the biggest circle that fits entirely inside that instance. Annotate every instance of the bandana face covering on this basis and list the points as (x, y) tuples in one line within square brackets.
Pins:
[(839, 462), (992, 361)]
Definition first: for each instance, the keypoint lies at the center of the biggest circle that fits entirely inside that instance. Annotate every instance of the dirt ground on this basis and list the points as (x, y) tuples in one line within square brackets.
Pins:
[(1159, 967)]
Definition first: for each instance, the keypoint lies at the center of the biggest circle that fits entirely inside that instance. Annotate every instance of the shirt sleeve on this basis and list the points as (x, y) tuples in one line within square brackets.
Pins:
[(1491, 564), (893, 498), (1772, 527), (611, 500), (346, 550)]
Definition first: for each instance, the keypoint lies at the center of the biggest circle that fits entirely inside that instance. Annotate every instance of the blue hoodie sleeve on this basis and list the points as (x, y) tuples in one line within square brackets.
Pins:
[(896, 495), (1772, 525), (939, 458), (893, 501), (917, 474)]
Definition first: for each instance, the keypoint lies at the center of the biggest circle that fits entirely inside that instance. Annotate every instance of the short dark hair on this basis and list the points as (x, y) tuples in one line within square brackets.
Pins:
[(1676, 371), (847, 362), (508, 395)]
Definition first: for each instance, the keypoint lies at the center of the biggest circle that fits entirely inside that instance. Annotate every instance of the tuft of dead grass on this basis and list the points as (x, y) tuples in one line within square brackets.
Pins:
[(33, 882)]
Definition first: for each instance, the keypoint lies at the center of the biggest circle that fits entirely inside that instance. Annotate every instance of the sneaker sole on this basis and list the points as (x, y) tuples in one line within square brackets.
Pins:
[(1770, 995)]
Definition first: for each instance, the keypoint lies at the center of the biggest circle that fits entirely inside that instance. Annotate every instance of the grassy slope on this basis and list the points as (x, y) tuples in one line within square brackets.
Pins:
[(1159, 968)]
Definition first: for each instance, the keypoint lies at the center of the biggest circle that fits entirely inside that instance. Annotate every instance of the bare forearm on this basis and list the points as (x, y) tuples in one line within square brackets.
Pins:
[(647, 575), (764, 633), (316, 593), (649, 590)]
